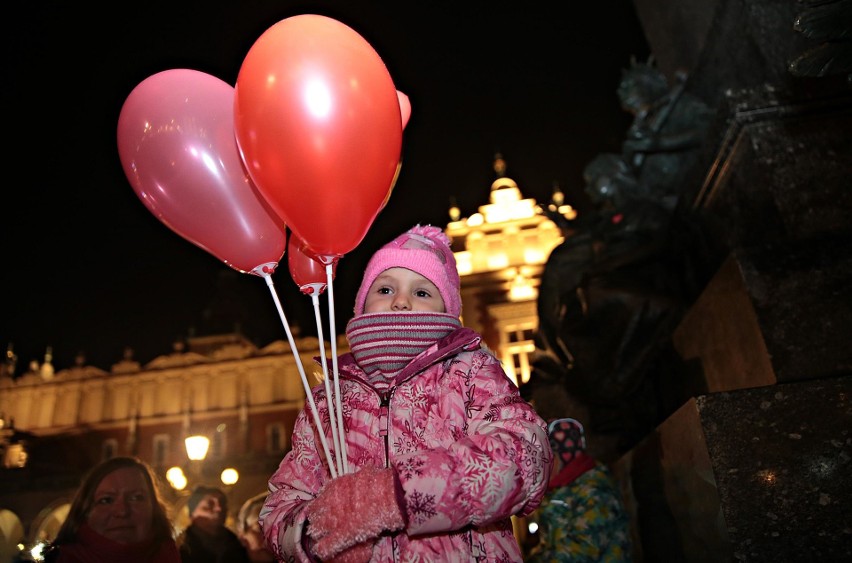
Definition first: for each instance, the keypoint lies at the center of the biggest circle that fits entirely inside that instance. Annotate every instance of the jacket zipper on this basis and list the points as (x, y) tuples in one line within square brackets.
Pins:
[(384, 421), (384, 431)]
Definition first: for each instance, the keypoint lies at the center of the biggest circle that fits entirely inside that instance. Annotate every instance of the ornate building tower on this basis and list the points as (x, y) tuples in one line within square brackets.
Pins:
[(501, 251)]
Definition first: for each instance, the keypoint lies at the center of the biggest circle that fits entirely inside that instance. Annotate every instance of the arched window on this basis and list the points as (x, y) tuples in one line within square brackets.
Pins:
[(161, 450), (109, 449)]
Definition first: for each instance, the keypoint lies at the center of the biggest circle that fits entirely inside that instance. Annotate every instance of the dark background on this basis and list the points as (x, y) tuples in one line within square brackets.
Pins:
[(89, 269)]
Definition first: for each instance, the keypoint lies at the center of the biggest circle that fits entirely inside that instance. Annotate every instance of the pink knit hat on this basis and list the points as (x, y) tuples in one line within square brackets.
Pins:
[(424, 250)]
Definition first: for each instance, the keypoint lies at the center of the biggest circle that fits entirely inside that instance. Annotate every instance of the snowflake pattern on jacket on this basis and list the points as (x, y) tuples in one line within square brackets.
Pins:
[(468, 450)]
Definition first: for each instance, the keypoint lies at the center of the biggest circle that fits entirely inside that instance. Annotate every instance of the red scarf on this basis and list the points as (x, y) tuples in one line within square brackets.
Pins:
[(91, 547), (581, 463)]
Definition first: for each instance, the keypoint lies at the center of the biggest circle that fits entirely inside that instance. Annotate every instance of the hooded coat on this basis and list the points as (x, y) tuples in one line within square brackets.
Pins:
[(468, 451)]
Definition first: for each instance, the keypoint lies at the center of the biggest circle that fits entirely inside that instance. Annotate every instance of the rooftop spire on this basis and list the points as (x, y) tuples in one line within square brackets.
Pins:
[(499, 165)]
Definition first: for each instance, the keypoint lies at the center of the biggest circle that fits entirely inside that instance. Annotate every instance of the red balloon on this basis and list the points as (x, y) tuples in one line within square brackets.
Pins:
[(177, 147), (306, 270), (319, 126)]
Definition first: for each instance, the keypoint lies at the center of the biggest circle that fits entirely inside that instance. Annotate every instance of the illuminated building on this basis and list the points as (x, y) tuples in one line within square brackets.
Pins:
[(501, 251)]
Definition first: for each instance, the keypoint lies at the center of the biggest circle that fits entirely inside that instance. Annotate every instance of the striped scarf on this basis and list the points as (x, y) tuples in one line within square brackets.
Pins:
[(387, 342)]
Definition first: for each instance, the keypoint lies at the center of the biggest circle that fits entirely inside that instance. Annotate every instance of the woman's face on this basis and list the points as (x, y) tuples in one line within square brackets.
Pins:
[(123, 507), (400, 289)]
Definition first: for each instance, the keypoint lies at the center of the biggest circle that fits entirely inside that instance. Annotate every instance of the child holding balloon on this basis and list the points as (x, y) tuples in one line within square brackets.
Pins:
[(441, 449)]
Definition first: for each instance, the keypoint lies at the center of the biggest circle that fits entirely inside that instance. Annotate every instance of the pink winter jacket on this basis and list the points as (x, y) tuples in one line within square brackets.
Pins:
[(468, 450)]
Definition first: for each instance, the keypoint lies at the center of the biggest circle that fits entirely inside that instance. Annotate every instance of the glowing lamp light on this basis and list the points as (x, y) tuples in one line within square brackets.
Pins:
[(174, 473), (196, 447), (230, 476), (176, 478), (38, 551)]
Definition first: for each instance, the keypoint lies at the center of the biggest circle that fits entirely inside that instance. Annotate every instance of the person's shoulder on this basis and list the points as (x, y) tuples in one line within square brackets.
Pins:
[(188, 543), (235, 551), (231, 537), (182, 537), (169, 552)]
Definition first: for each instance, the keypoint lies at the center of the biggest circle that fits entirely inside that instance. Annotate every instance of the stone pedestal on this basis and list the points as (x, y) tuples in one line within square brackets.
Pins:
[(775, 168), (749, 475), (772, 314)]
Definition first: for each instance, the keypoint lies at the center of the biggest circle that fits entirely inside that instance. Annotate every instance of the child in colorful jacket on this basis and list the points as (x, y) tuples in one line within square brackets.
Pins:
[(582, 518), (441, 448)]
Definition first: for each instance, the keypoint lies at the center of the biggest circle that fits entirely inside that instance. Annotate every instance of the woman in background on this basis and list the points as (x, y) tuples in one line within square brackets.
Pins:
[(116, 515)]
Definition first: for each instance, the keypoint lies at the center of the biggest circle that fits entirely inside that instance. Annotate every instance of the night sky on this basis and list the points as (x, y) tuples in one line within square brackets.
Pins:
[(89, 269)]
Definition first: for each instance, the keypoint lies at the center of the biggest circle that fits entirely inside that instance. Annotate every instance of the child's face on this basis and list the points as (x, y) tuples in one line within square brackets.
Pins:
[(399, 289)]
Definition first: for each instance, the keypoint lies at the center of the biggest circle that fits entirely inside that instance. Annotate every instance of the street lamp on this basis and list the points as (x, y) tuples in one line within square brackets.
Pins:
[(196, 450), (230, 476), (196, 447), (176, 478)]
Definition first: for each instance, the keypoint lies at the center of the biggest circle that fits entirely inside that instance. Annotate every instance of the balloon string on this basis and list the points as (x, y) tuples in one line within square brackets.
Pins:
[(329, 273), (332, 416), (298, 359)]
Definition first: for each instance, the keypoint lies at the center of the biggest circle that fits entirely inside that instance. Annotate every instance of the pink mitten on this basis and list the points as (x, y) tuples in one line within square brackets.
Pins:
[(352, 509), (358, 553)]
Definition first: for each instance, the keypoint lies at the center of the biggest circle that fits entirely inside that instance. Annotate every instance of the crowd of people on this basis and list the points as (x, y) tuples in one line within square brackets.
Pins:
[(440, 452)]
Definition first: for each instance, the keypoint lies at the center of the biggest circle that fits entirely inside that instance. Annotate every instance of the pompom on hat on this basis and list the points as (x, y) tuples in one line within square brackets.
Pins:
[(421, 249)]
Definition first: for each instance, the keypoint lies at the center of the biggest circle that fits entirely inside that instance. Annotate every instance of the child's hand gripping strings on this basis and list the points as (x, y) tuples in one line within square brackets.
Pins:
[(351, 511)]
